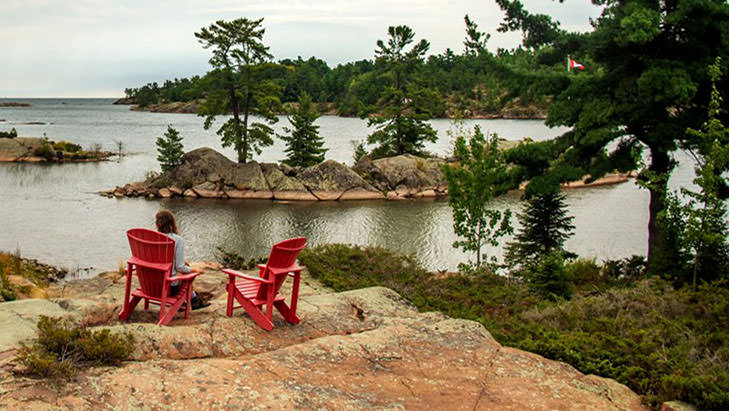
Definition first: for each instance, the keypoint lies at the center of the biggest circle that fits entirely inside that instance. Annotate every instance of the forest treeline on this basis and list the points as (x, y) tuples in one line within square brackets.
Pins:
[(472, 83)]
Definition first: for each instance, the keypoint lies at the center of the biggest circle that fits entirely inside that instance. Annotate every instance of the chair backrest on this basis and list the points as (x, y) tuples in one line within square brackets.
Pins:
[(151, 247), (283, 256)]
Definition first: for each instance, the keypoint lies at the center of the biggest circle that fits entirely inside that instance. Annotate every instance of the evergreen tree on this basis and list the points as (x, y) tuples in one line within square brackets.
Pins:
[(479, 176), (237, 84), (404, 106), (549, 276), (304, 146), (475, 43), (170, 149), (545, 226)]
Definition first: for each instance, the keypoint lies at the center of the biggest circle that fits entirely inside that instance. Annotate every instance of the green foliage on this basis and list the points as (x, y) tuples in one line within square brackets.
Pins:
[(359, 151), (700, 223), (46, 151), (480, 175), (9, 134), (643, 88), (238, 84), (304, 146), (66, 146), (545, 226), (231, 259), (170, 149), (404, 105), (665, 343), (549, 276), (61, 348)]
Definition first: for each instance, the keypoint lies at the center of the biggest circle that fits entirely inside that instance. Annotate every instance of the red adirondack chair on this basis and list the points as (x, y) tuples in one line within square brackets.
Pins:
[(254, 292), (153, 255)]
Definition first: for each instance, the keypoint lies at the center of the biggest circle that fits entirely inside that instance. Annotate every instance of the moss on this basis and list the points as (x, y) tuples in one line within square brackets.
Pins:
[(665, 343)]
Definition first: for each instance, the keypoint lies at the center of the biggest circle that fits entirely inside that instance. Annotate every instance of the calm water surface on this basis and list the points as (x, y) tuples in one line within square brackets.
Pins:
[(52, 212)]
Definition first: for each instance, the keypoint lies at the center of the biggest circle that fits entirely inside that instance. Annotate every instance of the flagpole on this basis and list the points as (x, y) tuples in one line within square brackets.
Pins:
[(568, 62)]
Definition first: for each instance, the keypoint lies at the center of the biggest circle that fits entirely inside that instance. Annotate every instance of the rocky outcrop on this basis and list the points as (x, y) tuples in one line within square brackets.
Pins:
[(360, 349), (184, 107), (39, 150), (206, 173), (13, 104), (404, 176), (20, 149)]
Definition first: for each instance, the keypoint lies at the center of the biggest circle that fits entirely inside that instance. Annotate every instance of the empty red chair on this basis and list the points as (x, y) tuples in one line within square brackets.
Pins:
[(153, 255), (252, 293)]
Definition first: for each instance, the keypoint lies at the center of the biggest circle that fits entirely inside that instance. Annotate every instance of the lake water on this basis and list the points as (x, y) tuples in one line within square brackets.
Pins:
[(53, 212)]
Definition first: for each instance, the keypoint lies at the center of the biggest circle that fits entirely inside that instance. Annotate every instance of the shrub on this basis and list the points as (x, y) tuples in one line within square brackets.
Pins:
[(550, 277), (231, 259), (9, 134), (62, 347), (662, 342), (46, 151), (66, 146)]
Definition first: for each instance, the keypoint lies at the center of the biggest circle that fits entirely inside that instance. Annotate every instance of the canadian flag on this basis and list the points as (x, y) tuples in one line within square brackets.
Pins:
[(572, 64)]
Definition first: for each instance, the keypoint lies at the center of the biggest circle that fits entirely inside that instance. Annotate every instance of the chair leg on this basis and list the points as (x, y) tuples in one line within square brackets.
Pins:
[(128, 308), (166, 316), (255, 313), (287, 312), (230, 287), (146, 304)]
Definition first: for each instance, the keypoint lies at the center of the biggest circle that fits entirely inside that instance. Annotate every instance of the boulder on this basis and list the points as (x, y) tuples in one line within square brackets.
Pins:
[(164, 193), (208, 190), (329, 180), (404, 170), (284, 187), (205, 165)]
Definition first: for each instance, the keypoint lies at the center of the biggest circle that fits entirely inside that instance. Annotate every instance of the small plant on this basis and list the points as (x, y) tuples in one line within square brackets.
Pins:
[(170, 149), (480, 175), (61, 348), (45, 151), (359, 150), (550, 278)]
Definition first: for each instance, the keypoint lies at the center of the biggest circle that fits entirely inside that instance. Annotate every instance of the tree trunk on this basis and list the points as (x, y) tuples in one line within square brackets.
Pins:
[(236, 117), (657, 248)]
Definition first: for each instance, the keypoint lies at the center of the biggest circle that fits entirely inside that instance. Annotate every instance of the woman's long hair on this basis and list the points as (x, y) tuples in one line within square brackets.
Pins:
[(166, 222)]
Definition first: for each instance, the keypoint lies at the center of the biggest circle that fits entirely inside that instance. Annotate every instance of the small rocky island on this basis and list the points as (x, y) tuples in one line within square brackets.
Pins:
[(41, 150), (205, 173)]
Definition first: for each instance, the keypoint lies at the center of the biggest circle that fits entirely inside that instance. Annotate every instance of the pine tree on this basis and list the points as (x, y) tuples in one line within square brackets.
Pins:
[(170, 149), (545, 228), (304, 146)]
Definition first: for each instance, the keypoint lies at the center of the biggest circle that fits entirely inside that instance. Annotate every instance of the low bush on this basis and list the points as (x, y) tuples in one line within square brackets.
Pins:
[(231, 259), (664, 343), (9, 134), (46, 151), (61, 348), (66, 146)]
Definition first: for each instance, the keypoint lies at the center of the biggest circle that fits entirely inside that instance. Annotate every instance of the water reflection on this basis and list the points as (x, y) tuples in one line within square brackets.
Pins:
[(51, 212)]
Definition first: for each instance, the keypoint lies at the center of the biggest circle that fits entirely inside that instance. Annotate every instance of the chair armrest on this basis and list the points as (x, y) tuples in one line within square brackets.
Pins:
[(185, 277), (247, 277)]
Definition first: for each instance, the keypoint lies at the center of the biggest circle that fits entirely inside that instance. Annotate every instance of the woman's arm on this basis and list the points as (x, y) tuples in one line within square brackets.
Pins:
[(180, 257)]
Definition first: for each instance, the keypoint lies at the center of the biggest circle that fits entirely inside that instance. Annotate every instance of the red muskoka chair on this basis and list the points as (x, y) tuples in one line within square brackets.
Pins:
[(152, 259), (253, 292)]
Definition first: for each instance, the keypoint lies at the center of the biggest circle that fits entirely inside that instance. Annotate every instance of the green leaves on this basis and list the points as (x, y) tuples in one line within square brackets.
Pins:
[(304, 146), (238, 84), (170, 149), (479, 175)]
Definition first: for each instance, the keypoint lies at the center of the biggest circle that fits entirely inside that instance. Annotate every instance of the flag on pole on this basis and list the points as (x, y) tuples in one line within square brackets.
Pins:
[(572, 64)]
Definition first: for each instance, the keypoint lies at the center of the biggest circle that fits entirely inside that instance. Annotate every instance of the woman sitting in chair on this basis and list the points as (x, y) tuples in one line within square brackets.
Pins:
[(166, 224)]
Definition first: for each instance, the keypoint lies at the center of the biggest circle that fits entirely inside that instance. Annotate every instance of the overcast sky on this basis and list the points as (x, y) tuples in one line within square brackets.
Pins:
[(96, 48)]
